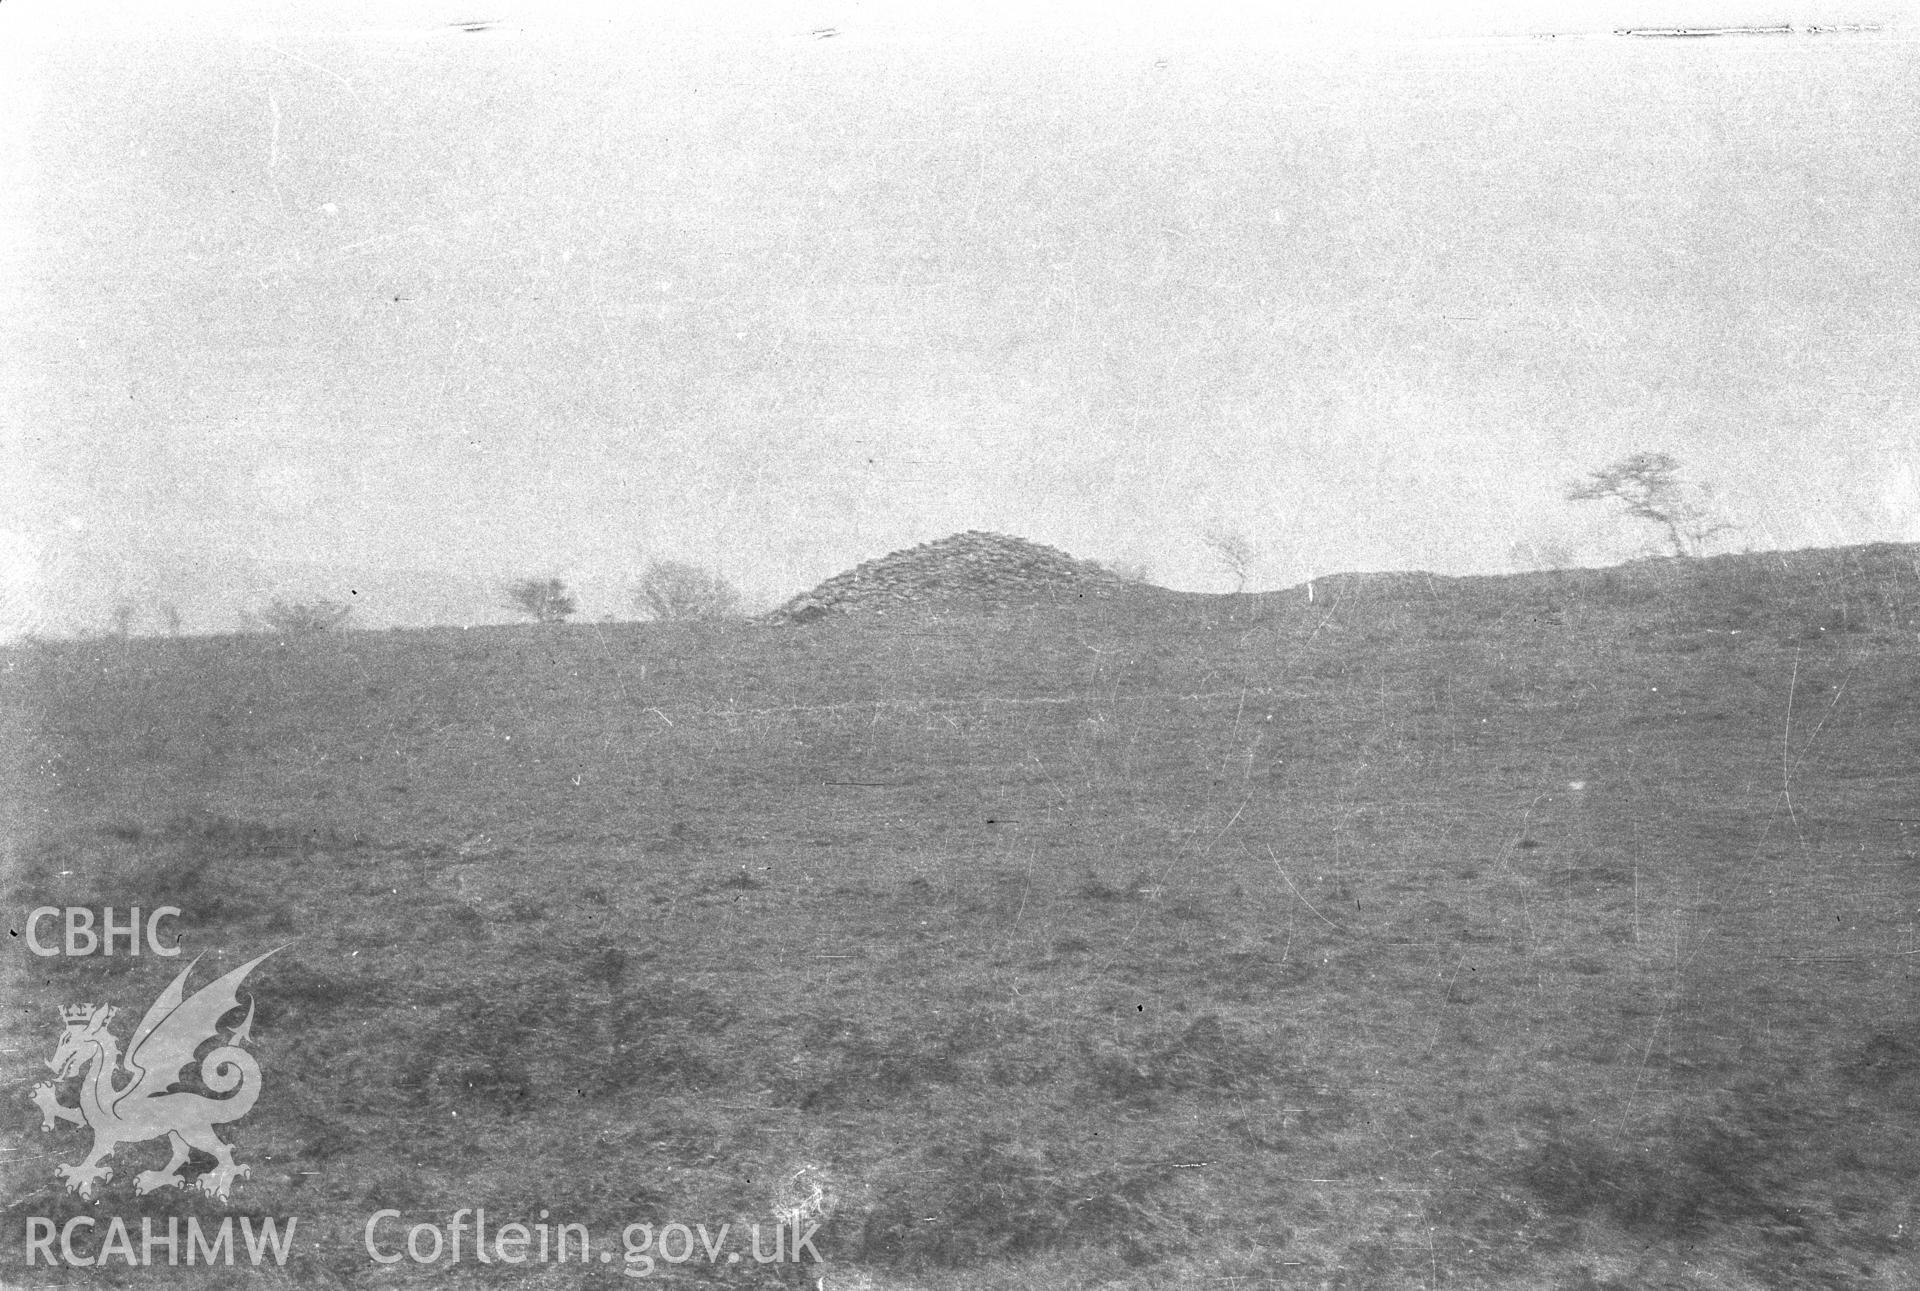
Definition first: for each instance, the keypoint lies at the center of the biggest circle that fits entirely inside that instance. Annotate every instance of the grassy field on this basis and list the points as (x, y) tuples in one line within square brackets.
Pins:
[(1546, 931)]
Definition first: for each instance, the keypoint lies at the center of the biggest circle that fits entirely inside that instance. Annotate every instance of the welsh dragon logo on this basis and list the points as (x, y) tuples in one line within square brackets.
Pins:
[(147, 1106)]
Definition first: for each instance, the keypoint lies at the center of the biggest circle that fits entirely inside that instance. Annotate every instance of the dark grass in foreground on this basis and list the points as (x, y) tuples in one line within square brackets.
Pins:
[(1545, 931)]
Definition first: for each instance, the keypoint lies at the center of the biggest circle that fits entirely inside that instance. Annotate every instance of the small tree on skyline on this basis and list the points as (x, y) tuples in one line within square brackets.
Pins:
[(544, 600), (673, 590), (1234, 552), (1650, 487), (303, 618)]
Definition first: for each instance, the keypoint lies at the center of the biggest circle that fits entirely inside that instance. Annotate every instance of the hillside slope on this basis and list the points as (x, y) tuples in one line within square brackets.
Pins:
[(1553, 930)]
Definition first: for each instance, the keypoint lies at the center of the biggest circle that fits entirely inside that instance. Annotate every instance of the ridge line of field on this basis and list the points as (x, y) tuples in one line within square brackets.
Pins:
[(967, 701)]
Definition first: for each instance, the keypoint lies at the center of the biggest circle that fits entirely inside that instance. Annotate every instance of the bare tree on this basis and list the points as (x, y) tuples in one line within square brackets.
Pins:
[(672, 590), (1234, 551), (303, 618), (170, 615), (544, 600), (1650, 487)]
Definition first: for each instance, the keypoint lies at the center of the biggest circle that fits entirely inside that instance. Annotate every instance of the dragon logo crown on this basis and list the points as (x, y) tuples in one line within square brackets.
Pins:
[(76, 1016)]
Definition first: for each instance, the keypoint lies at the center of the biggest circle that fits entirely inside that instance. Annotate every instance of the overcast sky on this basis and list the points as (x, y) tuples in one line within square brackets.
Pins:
[(292, 288)]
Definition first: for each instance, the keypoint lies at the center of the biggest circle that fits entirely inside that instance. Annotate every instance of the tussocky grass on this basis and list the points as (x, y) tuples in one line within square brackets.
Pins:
[(1168, 941)]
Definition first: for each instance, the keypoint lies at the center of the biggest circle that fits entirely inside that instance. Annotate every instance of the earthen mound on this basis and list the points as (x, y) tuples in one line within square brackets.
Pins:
[(968, 572)]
